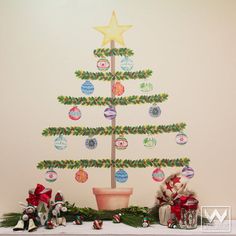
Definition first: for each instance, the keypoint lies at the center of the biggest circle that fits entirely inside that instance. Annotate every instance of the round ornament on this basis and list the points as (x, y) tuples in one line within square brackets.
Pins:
[(121, 176), (91, 143), (81, 176), (121, 143), (146, 87), (103, 64), (87, 87), (181, 138), (74, 113), (154, 111), (60, 142), (126, 64), (118, 89), (110, 113), (116, 218), (158, 175), (188, 172), (97, 224), (51, 176), (150, 142)]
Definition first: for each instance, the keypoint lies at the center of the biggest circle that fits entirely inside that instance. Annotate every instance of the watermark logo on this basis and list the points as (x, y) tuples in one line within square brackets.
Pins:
[(216, 218)]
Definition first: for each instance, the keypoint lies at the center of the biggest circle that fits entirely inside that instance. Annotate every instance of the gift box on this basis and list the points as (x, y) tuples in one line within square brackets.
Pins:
[(185, 210), (40, 197)]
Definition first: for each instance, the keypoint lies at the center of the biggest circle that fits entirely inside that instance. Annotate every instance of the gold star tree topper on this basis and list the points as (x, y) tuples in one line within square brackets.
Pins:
[(113, 31)]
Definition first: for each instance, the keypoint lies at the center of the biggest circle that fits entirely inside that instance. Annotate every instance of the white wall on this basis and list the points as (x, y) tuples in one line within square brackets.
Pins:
[(191, 47)]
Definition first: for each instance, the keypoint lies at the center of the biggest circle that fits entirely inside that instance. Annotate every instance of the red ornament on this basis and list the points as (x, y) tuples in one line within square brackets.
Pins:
[(74, 113), (118, 89)]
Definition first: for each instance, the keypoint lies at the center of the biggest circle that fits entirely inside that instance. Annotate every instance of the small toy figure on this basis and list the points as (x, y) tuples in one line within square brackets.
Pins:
[(29, 220), (58, 211), (146, 222)]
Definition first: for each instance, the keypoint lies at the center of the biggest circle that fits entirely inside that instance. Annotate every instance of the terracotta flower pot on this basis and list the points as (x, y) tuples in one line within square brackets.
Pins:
[(112, 198)]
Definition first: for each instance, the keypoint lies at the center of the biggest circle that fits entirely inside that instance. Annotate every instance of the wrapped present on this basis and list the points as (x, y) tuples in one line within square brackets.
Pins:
[(40, 197), (164, 214), (185, 210)]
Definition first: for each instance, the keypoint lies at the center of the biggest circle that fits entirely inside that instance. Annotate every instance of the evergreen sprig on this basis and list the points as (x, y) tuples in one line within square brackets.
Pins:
[(118, 163), (108, 76), (101, 101), (109, 130), (106, 52)]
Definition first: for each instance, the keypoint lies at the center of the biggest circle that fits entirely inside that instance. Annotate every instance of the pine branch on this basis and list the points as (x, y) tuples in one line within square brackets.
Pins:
[(108, 76), (86, 131), (118, 163), (102, 101), (106, 52)]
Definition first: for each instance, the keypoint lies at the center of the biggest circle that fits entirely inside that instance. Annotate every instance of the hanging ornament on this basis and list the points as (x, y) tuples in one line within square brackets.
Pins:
[(121, 143), (118, 89), (60, 142), (181, 138), (91, 143), (188, 172), (51, 176), (121, 176), (154, 111), (110, 113), (81, 176), (87, 87), (158, 175), (74, 113), (126, 64), (150, 142), (146, 87), (103, 64), (97, 224)]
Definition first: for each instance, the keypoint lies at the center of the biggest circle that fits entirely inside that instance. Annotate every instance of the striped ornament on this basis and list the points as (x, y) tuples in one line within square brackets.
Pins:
[(188, 172), (87, 87), (116, 218), (110, 113), (97, 224), (121, 176)]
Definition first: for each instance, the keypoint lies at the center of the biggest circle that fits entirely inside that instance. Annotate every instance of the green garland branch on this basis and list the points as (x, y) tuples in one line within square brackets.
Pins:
[(108, 76), (107, 52), (109, 130), (102, 101), (118, 163)]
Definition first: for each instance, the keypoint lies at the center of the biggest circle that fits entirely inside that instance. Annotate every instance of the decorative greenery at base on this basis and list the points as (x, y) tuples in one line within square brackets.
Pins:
[(102, 101), (132, 215), (109, 130), (107, 52), (118, 163), (108, 76)]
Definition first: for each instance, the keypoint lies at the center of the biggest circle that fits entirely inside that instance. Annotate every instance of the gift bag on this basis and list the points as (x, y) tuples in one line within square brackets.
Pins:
[(164, 214)]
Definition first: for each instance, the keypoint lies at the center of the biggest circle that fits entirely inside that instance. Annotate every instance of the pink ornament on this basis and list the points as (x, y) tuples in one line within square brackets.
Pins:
[(158, 175), (74, 113)]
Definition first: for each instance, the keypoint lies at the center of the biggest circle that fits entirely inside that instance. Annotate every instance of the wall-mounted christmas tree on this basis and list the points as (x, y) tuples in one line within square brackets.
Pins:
[(113, 198)]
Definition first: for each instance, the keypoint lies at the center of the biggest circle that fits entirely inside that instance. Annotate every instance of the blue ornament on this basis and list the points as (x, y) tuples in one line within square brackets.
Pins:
[(91, 143), (121, 176), (87, 87), (154, 111), (126, 64), (60, 143)]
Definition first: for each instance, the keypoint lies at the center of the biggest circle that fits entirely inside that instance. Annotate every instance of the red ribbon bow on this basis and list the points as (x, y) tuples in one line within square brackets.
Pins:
[(186, 202), (40, 194)]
